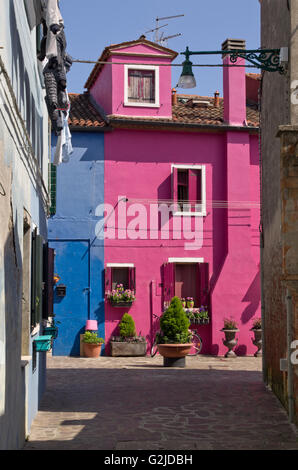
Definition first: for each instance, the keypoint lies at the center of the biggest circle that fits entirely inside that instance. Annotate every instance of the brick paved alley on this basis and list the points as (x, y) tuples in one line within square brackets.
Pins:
[(115, 403)]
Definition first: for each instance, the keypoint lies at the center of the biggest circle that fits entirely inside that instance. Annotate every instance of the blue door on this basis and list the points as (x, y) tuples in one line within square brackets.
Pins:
[(71, 307)]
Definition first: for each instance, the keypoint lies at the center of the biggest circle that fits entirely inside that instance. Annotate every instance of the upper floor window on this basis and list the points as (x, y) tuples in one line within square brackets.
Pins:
[(120, 274), (141, 87), (189, 189)]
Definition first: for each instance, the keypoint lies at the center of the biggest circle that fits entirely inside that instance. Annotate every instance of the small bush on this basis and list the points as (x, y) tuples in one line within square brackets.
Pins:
[(127, 326), (174, 324), (92, 337)]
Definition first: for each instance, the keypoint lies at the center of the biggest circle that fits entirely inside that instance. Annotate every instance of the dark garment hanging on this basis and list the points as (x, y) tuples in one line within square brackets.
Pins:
[(53, 47)]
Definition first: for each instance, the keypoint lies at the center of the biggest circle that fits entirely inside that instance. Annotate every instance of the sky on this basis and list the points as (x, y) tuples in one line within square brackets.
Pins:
[(91, 25)]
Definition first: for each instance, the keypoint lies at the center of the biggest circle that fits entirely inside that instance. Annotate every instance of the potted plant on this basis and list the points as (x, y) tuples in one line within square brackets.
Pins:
[(190, 302), (121, 297), (52, 328), (257, 340), (174, 340), (56, 278), (92, 344), (191, 316), (230, 329), (203, 315), (128, 343), (183, 301)]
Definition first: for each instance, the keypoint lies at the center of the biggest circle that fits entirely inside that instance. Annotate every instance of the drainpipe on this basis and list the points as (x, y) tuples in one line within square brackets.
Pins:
[(151, 312), (265, 378), (289, 305)]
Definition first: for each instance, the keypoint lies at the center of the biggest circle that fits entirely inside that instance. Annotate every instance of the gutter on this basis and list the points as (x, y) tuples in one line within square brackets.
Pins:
[(114, 122), (90, 129)]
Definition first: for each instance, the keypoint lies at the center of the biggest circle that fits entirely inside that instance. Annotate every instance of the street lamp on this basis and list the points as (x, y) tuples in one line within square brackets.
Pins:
[(270, 60), (187, 78)]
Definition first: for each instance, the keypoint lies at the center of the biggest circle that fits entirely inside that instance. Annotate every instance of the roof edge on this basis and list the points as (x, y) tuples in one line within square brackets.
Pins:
[(222, 128), (108, 50)]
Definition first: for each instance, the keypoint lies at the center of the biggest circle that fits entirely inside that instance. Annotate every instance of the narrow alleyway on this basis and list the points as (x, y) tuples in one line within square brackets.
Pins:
[(137, 404)]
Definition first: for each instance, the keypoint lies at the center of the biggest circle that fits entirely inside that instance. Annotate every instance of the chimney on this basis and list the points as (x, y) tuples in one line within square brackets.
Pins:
[(174, 97), (234, 85), (216, 99)]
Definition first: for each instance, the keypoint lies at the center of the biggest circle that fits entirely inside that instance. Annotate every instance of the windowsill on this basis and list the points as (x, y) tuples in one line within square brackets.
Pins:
[(25, 361), (142, 105), (190, 214)]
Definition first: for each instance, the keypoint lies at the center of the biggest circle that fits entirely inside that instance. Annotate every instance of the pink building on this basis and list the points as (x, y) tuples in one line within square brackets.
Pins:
[(181, 193)]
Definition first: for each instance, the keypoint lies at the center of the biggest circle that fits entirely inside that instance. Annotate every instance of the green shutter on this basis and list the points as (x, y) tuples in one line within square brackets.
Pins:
[(39, 277), (36, 279), (33, 283), (53, 186), (48, 278)]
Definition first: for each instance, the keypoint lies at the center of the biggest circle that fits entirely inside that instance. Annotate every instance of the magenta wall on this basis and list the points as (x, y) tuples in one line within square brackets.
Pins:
[(108, 90), (138, 166)]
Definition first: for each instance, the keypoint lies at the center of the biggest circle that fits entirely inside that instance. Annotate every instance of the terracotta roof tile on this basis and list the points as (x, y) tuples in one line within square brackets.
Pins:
[(83, 113), (190, 109)]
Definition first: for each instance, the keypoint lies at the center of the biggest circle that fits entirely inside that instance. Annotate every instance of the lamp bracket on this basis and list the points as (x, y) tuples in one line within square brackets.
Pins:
[(265, 59)]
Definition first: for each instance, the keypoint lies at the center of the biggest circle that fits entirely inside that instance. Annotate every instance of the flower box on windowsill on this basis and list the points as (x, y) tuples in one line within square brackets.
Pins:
[(43, 343), (114, 303), (200, 321), (51, 330)]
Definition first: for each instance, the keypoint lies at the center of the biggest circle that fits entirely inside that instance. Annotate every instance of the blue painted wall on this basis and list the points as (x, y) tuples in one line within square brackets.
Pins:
[(79, 259)]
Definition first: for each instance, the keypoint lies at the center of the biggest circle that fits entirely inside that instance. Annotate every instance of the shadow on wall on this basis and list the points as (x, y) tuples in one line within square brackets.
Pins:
[(100, 317), (253, 296), (14, 388), (241, 350), (26, 98), (76, 343)]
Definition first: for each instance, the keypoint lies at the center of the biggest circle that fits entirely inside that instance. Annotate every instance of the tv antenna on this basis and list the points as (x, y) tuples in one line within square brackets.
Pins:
[(159, 38)]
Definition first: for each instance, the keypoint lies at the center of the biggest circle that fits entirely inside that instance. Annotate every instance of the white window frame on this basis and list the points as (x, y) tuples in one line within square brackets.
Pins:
[(120, 265), (203, 212), (154, 68), (185, 260)]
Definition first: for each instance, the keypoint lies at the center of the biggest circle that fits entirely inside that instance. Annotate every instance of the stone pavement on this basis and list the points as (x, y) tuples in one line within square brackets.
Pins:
[(113, 403)]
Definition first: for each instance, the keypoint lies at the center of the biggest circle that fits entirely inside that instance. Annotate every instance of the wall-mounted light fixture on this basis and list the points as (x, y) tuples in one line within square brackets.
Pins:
[(271, 60)]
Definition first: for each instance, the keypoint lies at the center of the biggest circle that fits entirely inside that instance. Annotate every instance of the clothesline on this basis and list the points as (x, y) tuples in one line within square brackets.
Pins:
[(102, 62), (212, 202)]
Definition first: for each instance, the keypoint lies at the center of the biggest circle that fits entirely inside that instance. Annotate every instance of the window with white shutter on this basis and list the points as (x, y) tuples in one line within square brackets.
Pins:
[(141, 87)]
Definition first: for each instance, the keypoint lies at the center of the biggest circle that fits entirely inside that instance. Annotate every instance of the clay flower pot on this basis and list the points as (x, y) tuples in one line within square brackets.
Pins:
[(92, 349), (174, 350), (174, 354)]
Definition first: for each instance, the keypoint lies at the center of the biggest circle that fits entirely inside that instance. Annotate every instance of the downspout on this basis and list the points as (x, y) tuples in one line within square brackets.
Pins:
[(265, 378), (289, 305), (151, 313)]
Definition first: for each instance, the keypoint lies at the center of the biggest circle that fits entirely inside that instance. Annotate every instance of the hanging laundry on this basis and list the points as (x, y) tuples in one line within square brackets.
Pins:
[(34, 10), (63, 147), (53, 48)]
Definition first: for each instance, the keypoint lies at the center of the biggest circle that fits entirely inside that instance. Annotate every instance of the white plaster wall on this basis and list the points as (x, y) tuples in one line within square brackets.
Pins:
[(23, 191)]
